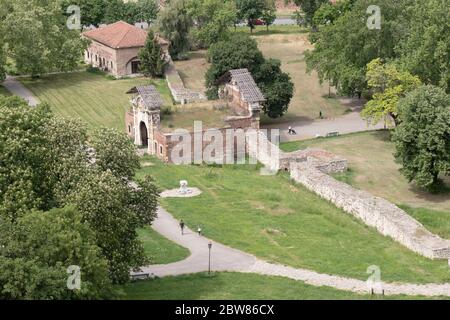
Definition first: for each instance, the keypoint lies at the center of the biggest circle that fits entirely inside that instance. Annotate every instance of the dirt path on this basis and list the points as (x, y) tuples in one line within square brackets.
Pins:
[(224, 258)]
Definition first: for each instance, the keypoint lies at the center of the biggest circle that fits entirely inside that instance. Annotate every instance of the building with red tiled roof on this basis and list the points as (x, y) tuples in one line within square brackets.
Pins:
[(114, 48)]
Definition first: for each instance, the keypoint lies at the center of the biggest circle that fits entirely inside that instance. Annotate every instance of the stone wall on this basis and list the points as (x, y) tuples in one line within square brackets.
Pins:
[(179, 92), (376, 212), (310, 167)]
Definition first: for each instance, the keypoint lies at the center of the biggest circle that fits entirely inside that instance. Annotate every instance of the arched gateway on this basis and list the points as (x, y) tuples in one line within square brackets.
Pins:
[(145, 114)]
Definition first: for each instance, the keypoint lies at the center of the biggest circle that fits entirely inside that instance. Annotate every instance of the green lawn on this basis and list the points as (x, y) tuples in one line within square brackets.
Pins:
[(437, 222), (279, 221), (92, 97), (373, 169), (236, 286), (159, 249), (3, 91)]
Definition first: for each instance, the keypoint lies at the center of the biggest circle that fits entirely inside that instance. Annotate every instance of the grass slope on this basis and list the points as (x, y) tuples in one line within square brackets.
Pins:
[(159, 249), (236, 286), (373, 168), (279, 221), (91, 97)]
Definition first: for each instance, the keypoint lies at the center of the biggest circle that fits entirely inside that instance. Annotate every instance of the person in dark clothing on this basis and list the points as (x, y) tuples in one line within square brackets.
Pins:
[(182, 225)]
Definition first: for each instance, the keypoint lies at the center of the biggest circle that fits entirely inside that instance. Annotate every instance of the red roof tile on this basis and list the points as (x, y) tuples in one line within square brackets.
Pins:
[(118, 35)]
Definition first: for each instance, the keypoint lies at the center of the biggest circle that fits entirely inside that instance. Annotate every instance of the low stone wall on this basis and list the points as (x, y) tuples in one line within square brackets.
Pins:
[(387, 218), (179, 92)]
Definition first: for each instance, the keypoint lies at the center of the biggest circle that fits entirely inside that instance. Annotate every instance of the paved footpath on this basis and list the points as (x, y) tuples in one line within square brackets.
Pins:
[(15, 87), (224, 258), (307, 129)]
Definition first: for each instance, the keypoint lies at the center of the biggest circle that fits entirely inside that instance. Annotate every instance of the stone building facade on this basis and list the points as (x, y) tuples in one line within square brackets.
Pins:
[(114, 48)]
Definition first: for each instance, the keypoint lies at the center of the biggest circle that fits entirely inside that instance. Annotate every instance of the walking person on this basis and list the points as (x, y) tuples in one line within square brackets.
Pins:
[(320, 114), (182, 225), (199, 231)]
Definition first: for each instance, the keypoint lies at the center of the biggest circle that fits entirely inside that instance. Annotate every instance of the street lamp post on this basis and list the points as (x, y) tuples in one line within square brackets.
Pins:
[(209, 258)]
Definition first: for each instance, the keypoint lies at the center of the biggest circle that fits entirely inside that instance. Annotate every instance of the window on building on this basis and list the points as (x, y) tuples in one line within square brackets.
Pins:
[(129, 129), (96, 58), (112, 66), (161, 150), (156, 148)]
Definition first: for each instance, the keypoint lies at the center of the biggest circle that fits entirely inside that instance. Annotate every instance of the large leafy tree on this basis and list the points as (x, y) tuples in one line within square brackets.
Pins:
[(92, 11), (48, 162), (425, 51), (422, 139), (276, 86), (152, 57), (174, 24), (309, 7), (37, 251), (343, 49), (250, 10), (388, 85), (212, 19), (241, 51), (38, 39)]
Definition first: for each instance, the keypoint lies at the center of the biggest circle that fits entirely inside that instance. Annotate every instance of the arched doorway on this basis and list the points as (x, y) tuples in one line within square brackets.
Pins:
[(144, 134)]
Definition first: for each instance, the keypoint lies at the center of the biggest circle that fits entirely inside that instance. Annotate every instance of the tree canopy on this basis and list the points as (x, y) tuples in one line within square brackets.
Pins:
[(152, 57), (212, 20), (241, 51), (39, 248), (38, 39), (50, 162), (174, 24), (422, 139), (388, 85)]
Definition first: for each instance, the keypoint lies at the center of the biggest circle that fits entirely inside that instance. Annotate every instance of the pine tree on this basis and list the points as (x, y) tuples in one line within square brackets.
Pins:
[(152, 57)]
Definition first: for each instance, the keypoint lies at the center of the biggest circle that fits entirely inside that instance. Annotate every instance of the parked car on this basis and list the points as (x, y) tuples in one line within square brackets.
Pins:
[(258, 22)]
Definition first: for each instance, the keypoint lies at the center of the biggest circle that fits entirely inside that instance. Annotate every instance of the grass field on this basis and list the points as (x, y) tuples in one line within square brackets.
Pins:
[(193, 71), (94, 98), (310, 96), (279, 221), (159, 249), (236, 286), (373, 169)]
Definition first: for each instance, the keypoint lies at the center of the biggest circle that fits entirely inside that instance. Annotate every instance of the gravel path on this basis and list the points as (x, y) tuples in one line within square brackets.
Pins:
[(224, 258), (18, 89)]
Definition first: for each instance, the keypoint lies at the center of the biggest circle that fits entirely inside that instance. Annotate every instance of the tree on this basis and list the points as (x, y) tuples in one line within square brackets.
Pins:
[(309, 7), (92, 11), (114, 152), (49, 162), (422, 139), (174, 24), (152, 57), (239, 52), (269, 14), (2, 64), (425, 51), (147, 10), (250, 10), (343, 49), (276, 86), (388, 85), (117, 10), (39, 248), (212, 20), (329, 12), (38, 40)]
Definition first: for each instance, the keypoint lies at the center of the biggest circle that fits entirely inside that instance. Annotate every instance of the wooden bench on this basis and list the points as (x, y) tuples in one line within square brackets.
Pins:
[(332, 134), (140, 276)]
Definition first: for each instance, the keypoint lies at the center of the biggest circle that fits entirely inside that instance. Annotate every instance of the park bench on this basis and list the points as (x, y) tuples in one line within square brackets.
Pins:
[(332, 134), (140, 276)]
